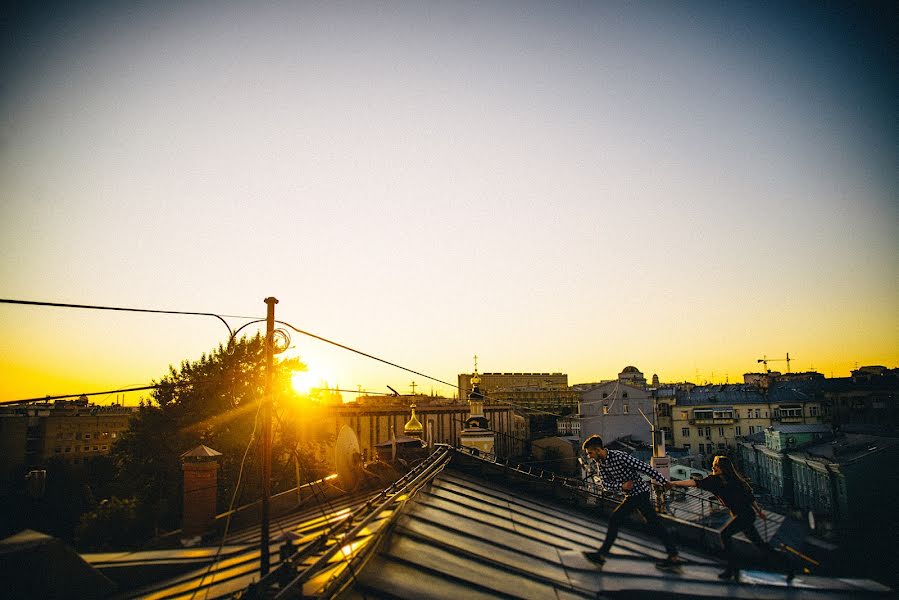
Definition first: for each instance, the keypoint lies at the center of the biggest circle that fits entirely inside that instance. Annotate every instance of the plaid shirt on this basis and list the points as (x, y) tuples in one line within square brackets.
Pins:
[(619, 467)]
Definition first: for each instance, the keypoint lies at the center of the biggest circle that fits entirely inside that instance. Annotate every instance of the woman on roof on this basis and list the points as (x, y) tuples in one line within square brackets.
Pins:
[(735, 492)]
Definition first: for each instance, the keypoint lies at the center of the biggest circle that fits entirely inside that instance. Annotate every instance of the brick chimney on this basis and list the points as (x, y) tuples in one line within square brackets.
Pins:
[(200, 467)]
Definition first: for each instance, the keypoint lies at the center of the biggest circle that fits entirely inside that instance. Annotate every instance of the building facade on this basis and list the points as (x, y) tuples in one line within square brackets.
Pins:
[(809, 469), (710, 419), (375, 420), (612, 410), (869, 397), (540, 386), (73, 431)]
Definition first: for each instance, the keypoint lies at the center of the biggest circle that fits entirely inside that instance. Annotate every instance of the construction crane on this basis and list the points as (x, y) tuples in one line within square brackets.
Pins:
[(765, 360)]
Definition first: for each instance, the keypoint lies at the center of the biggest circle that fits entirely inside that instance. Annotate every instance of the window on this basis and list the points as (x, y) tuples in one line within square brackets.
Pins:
[(813, 411), (721, 431), (685, 431), (758, 413), (708, 432), (687, 447), (702, 448), (87, 436), (605, 409), (737, 430), (751, 429), (789, 411)]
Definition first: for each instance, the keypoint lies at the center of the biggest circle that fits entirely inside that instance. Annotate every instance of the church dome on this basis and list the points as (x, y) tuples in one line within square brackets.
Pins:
[(413, 425), (630, 369)]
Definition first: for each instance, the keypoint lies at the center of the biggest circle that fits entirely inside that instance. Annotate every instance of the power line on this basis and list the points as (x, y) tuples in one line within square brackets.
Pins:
[(126, 309), (119, 391), (231, 332), (365, 354)]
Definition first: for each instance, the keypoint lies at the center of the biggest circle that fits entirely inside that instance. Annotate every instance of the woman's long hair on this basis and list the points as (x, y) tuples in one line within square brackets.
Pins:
[(730, 474)]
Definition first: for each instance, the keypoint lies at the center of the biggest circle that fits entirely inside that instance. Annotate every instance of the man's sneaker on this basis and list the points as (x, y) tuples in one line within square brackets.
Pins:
[(672, 562), (595, 557)]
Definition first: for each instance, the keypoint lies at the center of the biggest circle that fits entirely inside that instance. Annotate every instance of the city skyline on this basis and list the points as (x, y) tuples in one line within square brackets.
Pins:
[(427, 384), (567, 188)]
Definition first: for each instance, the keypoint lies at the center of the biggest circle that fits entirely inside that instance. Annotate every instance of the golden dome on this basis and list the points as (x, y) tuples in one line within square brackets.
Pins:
[(413, 425)]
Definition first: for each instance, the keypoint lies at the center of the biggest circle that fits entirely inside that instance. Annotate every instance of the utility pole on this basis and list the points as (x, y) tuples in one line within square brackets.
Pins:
[(267, 434)]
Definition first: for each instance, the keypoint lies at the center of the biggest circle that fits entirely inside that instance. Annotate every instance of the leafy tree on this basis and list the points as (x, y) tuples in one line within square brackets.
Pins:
[(114, 524), (212, 401), (66, 497)]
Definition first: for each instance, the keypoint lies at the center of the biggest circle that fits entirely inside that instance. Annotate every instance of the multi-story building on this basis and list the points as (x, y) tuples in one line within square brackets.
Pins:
[(709, 419), (541, 398), (808, 468), (73, 431), (616, 409), (833, 480), (869, 397), (376, 419), (541, 389), (13, 433)]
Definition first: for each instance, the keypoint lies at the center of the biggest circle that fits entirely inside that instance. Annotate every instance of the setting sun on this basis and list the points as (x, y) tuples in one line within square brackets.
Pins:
[(302, 381)]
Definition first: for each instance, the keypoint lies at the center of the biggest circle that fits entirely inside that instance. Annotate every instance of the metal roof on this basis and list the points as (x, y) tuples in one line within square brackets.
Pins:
[(802, 428), (460, 526), (744, 393)]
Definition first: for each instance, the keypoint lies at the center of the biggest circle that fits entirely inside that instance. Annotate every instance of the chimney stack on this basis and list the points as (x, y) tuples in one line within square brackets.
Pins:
[(200, 467)]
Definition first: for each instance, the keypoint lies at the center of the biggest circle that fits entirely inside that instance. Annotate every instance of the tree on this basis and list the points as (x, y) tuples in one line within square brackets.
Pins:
[(212, 401), (113, 525)]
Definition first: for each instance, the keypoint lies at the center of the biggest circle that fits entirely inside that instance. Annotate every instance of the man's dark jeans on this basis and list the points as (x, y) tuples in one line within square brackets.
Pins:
[(641, 503)]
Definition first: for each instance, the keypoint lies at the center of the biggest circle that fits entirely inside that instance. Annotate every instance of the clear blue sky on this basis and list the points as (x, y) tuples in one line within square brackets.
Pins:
[(554, 186)]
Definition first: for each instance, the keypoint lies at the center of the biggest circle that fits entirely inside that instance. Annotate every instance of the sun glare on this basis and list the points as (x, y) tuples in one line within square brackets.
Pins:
[(302, 381)]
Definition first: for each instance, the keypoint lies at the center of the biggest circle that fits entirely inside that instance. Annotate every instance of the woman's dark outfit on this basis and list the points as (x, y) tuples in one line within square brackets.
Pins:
[(739, 500)]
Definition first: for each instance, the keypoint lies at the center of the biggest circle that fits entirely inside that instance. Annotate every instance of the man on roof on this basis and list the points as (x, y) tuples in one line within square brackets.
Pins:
[(621, 472)]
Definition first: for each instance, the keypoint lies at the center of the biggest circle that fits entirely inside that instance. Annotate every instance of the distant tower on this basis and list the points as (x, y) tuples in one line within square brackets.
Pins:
[(476, 432), (413, 427), (655, 380)]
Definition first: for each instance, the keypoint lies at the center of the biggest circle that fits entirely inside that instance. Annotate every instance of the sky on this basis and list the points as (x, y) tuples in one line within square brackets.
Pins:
[(551, 186)]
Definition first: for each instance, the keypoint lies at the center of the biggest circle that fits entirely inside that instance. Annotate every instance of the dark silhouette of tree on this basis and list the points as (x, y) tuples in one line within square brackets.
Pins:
[(212, 401)]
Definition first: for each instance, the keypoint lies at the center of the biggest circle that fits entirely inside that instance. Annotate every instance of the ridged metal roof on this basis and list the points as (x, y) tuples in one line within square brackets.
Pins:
[(463, 527)]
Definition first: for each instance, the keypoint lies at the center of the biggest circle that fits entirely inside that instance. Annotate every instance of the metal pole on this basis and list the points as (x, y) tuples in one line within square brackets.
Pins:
[(267, 435)]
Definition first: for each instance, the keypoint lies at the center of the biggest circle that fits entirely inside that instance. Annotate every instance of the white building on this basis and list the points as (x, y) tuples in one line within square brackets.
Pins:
[(613, 409)]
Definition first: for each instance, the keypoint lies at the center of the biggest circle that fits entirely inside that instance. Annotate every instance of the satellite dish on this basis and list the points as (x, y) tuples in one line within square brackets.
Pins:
[(347, 459)]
